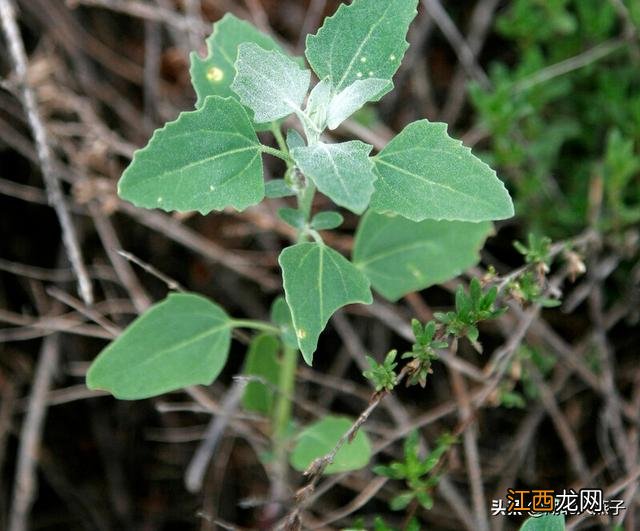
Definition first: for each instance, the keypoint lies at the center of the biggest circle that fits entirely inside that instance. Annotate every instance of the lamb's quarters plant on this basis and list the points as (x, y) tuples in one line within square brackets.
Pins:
[(427, 203)]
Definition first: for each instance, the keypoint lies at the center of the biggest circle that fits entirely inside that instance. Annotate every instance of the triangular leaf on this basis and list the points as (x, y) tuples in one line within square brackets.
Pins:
[(344, 171), (364, 39), (269, 82), (262, 361), (425, 174), (320, 438), (345, 103), (205, 160), (400, 256), (213, 75), (317, 282), (179, 342)]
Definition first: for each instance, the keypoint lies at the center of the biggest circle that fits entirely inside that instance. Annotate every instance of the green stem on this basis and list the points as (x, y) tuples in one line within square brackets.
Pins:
[(255, 325), (277, 133), (286, 384), (305, 201), (276, 153)]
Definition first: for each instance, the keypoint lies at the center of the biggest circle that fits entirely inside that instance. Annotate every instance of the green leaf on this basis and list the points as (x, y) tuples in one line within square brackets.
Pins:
[(205, 160), (343, 172), (326, 221), (281, 315), (320, 438), (401, 501), (262, 361), (269, 82), (547, 522), (400, 256), (317, 282), (364, 39), (277, 188), (294, 139), (316, 109), (425, 174), (182, 341), (292, 216), (425, 499), (213, 75), (345, 103)]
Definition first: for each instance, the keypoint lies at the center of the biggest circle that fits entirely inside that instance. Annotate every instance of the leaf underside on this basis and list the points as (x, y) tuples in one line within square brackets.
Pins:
[(400, 256), (206, 160), (268, 82), (425, 174), (179, 342), (317, 282)]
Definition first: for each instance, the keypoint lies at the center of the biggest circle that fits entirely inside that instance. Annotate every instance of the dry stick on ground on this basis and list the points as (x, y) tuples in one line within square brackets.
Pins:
[(481, 20), (192, 240), (195, 473), (172, 284), (144, 11), (52, 184), (470, 443), (43, 326), (460, 46), (121, 266), (31, 435)]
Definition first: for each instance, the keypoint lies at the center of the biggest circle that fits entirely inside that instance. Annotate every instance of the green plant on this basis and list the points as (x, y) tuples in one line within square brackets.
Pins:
[(565, 130), (428, 199), (417, 473)]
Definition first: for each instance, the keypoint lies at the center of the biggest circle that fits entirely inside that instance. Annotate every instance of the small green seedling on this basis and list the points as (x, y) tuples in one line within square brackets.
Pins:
[(426, 201), (417, 473), (470, 309)]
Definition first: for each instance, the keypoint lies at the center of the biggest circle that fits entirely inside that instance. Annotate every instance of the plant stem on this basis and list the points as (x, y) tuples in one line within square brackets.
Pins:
[(276, 153), (305, 201), (255, 325), (277, 133), (282, 419), (286, 383)]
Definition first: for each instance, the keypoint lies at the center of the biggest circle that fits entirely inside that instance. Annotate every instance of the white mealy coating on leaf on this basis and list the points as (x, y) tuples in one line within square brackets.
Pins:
[(269, 83)]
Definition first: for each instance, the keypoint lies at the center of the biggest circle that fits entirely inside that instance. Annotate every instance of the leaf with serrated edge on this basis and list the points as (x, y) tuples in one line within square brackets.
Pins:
[(320, 438), (364, 39), (425, 174), (213, 74), (317, 282), (343, 172), (400, 256), (205, 160), (351, 99), (181, 341), (269, 82)]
